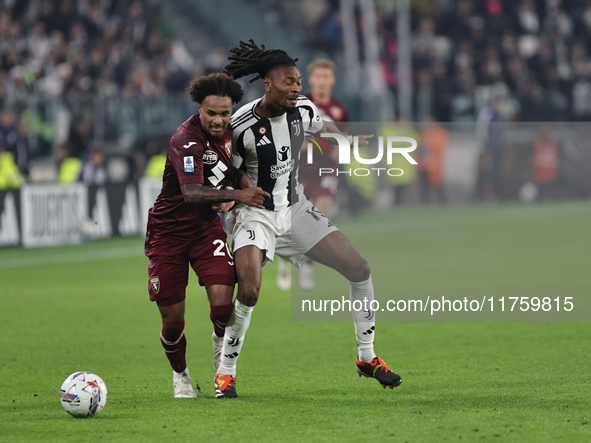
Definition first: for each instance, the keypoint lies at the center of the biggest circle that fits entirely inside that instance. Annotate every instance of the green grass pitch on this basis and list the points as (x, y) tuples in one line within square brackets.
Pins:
[(85, 307)]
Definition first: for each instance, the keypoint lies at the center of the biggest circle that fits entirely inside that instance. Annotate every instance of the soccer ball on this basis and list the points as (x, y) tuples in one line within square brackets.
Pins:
[(528, 193), (83, 393)]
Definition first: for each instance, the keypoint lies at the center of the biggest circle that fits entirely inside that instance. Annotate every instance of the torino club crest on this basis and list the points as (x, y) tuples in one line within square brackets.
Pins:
[(155, 284)]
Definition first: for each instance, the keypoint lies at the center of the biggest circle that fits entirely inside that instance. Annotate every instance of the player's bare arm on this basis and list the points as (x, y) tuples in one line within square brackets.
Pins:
[(331, 127), (197, 194), (238, 178)]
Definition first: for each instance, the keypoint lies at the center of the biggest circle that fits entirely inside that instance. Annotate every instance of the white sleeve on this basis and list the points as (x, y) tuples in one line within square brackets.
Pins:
[(310, 114), (236, 157)]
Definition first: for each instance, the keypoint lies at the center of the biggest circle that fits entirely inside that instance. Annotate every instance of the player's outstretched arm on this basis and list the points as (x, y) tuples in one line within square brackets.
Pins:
[(197, 194), (331, 127)]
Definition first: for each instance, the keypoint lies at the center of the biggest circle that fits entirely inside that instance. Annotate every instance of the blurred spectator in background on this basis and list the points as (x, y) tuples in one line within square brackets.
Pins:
[(536, 49), (581, 94), (322, 191), (156, 152), (433, 142), (423, 103), (55, 47), (545, 161), (490, 136), (69, 166), (10, 176), (8, 133), (408, 173), (21, 150), (363, 189), (39, 126), (13, 140), (80, 135), (93, 167)]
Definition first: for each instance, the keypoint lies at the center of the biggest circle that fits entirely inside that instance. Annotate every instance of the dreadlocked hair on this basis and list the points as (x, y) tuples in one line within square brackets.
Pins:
[(248, 59), (216, 84)]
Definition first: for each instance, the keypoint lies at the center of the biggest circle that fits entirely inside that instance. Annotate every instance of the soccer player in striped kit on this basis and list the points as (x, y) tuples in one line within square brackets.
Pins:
[(268, 134)]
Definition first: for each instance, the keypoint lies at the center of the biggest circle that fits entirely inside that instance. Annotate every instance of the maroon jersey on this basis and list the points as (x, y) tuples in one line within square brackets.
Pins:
[(314, 185), (335, 109), (193, 157)]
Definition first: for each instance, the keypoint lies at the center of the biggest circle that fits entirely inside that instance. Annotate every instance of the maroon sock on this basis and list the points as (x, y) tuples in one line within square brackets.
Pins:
[(220, 314), (175, 344)]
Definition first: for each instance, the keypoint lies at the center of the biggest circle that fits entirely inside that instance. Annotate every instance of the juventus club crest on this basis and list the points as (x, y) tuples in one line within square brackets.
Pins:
[(296, 127)]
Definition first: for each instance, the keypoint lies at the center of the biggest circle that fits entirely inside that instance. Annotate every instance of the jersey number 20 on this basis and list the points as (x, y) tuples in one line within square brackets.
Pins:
[(219, 251)]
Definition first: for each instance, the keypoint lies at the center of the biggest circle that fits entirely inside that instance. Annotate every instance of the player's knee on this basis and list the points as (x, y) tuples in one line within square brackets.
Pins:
[(221, 313), (359, 271), (248, 294)]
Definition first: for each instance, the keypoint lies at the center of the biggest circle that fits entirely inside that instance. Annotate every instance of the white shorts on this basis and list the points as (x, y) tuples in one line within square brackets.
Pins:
[(289, 233)]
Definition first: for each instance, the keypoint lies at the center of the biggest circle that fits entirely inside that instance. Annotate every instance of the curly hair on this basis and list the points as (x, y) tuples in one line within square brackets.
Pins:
[(217, 84), (249, 59)]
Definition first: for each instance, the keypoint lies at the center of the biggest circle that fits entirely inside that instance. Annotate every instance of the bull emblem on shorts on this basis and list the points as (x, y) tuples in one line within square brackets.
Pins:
[(155, 284)]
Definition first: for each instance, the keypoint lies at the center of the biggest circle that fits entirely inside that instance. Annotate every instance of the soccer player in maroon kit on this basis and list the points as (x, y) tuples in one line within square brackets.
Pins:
[(321, 191), (184, 227)]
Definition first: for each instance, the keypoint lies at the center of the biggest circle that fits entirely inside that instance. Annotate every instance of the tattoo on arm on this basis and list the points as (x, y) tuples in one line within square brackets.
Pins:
[(197, 194)]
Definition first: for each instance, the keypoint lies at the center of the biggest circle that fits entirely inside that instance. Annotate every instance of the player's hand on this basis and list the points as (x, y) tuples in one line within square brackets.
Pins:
[(363, 139), (223, 207), (253, 196)]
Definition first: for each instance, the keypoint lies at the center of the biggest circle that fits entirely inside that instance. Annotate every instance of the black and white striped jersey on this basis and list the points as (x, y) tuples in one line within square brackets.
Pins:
[(268, 149)]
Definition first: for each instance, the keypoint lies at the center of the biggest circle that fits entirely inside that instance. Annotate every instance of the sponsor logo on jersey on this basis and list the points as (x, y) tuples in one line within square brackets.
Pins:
[(189, 165), (296, 127), (283, 153), (278, 171), (188, 145), (155, 284), (264, 141), (218, 174), (228, 146), (209, 157)]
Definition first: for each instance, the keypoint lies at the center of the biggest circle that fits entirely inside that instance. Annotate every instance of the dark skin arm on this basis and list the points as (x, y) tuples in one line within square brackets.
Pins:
[(197, 194), (237, 178), (331, 127)]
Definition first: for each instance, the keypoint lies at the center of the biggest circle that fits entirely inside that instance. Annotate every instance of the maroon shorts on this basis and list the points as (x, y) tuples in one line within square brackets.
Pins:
[(317, 186), (168, 271)]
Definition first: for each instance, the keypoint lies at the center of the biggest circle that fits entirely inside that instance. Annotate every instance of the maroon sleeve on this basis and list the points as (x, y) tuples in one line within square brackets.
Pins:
[(186, 156)]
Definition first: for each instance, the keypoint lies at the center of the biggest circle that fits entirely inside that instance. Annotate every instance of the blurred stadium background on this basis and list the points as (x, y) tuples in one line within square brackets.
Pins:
[(91, 91), (99, 85)]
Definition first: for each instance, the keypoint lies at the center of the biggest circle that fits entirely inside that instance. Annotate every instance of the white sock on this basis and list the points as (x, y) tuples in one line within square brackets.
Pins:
[(364, 320), (217, 340), (234, 338), (185, 373)]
